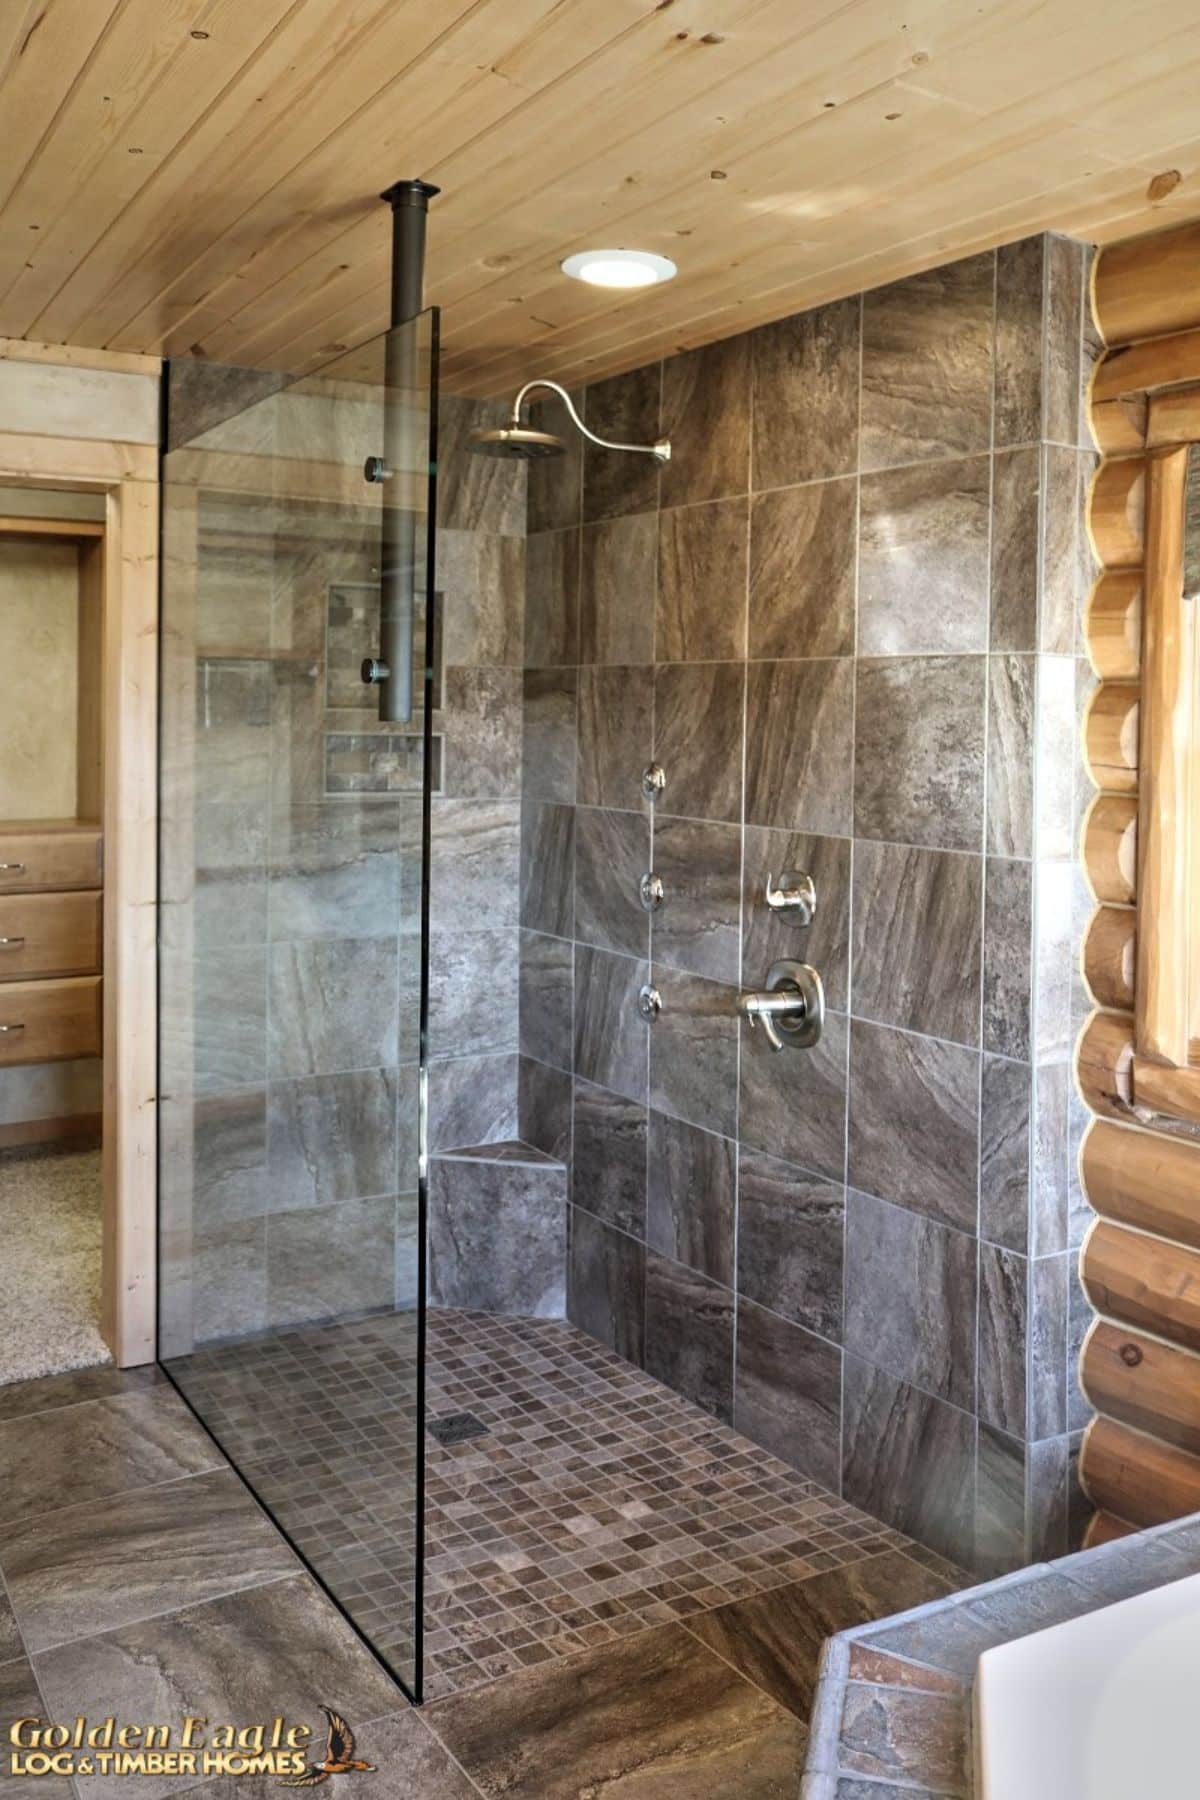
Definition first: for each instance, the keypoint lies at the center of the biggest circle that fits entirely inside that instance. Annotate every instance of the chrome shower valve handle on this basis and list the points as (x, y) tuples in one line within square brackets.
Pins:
[(791, 1008), (796, 893)]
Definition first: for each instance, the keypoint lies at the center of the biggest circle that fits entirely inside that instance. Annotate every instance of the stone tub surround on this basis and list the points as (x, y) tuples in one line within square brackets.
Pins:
[(892, 1713), (844, 620)]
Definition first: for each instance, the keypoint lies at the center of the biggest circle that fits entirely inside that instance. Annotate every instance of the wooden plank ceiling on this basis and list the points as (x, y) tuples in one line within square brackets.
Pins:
[(200, 176)]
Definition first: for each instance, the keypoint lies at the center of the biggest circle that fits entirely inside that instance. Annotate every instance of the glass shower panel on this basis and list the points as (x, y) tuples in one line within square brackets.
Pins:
[(293, 959)]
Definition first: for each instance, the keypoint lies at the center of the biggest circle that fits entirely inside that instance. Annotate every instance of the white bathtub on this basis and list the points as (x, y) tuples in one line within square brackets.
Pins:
[(1106, 1707)]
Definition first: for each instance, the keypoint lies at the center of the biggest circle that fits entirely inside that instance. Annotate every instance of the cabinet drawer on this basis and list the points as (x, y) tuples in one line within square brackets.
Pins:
[(49, 934), (49, 1021), (35, 860)]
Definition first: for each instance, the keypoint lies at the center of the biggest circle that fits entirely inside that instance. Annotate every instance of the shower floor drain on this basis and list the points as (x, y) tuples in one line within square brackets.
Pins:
[(456, 1428)]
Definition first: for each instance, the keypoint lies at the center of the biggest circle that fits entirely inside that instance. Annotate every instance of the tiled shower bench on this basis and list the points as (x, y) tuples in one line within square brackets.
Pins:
[(498, 1230)]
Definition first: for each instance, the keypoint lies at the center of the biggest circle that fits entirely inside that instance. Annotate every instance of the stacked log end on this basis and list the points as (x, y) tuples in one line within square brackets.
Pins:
[(1140, 1265)]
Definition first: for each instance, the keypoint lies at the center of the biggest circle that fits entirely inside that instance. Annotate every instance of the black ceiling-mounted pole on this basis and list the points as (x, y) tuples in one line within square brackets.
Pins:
[(392, 671), (409, 201)]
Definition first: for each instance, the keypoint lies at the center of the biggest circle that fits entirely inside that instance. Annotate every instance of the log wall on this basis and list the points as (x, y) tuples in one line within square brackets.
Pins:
[(1140, 1264)]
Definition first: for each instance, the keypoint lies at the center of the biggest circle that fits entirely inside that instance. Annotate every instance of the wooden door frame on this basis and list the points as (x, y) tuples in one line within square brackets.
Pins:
[(127, 475)]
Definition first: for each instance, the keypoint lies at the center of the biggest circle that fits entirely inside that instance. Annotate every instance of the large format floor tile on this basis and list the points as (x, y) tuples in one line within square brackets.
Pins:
[(279, 1649), (87, 1452), (19, 1699), (657, 1718), (10, 1637), (22, 1398), (776, 1638), (409, 1761), (91, 1568)]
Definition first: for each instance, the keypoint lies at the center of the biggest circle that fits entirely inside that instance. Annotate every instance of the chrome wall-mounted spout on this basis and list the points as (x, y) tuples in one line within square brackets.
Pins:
[(516, 439)]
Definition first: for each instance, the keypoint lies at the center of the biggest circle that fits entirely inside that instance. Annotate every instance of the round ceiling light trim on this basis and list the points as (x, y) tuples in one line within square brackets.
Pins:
[(619, 268)]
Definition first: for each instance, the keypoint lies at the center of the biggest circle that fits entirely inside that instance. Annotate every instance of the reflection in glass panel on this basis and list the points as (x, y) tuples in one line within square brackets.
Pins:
[(292, 879)]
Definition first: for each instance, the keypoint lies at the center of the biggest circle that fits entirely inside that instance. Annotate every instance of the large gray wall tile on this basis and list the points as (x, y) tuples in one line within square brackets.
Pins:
[(1007, 958), (615, 735), (547, 999), (333, 1007), (919, 750), (789, 1251), (799, 727), (802, 563), (691, 1187), (788, 1393), (706, 415), (910, 1297), (927, 364), (698, 729), (1003, 1320), (1005, 1106), (694, 1050), (1020, 278), (608, 1176), (606, 1278), (697, 928), (331, 1262), (551, 735), (917, 939), (689, 1334), (544, 1108), (923, 559), (612, 853), (792, 1103), (616, 590), (610, 1037), (702, 553), (1010, 772), (331, 1137), (914, 1122), (806, 379), (908, 1458), (552, 598)]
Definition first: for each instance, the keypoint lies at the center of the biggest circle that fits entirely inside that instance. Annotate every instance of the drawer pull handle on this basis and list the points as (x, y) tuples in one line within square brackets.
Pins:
[(12, 868), (10, 943), (5, 1029)]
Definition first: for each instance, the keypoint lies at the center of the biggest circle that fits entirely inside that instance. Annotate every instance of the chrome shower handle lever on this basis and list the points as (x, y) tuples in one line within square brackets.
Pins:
[(763, 1009), (796, 893), (791, 1008)]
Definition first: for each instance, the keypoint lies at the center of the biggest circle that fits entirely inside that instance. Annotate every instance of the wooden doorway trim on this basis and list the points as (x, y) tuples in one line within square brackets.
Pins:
[(127, 475)]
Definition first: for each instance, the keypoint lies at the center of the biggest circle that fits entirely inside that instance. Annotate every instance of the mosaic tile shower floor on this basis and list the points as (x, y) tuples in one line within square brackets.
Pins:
[(598, 1504)]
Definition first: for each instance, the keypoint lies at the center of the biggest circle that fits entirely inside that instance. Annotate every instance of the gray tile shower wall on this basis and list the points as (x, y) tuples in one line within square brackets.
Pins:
[(844, 621)]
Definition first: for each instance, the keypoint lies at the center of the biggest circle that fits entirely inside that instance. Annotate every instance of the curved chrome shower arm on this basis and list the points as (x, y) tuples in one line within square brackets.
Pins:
[(662, 449)]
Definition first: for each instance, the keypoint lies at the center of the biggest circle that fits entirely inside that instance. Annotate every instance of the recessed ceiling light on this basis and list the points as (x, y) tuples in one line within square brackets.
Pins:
[(619, 268)]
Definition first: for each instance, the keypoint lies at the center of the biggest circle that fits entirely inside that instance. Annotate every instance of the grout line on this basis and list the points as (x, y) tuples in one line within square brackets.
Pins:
[(424, 1721), (977, 1335), (851, 958), (743, 1675)]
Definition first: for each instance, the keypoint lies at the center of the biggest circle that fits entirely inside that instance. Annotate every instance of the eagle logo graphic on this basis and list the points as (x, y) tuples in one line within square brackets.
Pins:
[(339, 1756)]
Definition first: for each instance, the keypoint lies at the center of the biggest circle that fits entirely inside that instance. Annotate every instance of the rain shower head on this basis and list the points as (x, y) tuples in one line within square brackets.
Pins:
[(518, 440)]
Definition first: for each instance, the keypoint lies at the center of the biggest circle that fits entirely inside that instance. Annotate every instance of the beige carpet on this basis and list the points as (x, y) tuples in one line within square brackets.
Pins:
[(49, 1262)]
